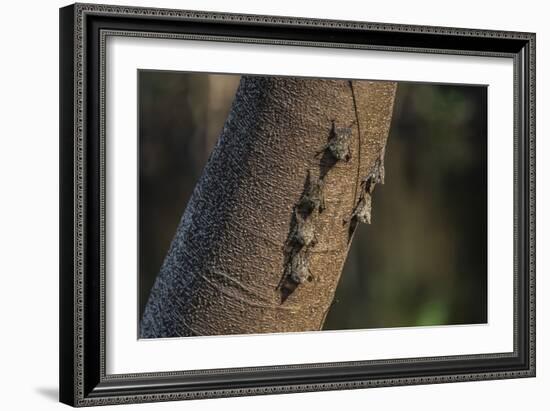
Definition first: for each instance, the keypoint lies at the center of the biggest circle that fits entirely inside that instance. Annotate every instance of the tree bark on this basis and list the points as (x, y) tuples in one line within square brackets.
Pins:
[(232, 266)]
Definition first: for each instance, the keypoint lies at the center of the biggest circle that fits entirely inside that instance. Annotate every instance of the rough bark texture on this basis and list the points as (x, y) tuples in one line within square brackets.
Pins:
[(228, 270)]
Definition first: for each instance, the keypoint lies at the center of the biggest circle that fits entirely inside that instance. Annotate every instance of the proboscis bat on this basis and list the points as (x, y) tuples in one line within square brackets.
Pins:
[(339, 143), (375, 177), (312, 198), (296, 273), (298, 270), (362, 211), (304, 230)]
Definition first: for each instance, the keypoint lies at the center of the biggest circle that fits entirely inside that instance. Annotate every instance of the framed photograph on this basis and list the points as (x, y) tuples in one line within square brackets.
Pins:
[(261, 204)]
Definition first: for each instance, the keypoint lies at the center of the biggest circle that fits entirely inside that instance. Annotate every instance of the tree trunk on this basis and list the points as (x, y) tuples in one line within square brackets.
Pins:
[(257, 249)]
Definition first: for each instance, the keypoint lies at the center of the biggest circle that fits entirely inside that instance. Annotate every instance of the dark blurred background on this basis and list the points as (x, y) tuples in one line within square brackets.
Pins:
[(428, 265)]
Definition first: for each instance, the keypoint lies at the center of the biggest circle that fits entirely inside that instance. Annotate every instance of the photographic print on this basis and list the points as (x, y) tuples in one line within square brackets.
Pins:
[(337, 204), (289, 204)]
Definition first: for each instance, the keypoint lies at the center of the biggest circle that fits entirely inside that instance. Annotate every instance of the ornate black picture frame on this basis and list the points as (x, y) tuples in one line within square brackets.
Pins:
[(83, 30)]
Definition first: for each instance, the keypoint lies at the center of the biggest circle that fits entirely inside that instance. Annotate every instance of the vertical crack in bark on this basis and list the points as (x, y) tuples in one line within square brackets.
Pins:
[(358, 122)]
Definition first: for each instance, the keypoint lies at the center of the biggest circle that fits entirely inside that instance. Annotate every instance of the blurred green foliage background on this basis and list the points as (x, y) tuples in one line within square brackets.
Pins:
[(422, 261)]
